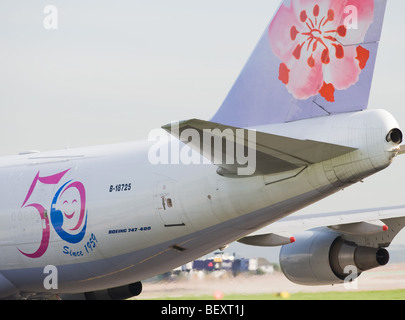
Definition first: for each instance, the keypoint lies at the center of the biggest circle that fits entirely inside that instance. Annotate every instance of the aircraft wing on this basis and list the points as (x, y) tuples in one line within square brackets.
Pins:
[(272, 153), (373, 228)]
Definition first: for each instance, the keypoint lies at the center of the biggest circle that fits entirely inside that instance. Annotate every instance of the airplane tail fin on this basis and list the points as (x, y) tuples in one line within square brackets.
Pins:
[(315, 58)]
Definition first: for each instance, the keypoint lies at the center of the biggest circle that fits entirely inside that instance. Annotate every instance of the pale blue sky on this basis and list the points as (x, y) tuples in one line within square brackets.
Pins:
[(114, 70)]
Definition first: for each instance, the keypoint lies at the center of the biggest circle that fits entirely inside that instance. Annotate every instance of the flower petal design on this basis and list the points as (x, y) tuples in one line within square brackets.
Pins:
[(308, 37)]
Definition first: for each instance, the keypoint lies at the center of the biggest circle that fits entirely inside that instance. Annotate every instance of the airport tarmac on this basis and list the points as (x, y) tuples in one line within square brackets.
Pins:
[(391, 277)]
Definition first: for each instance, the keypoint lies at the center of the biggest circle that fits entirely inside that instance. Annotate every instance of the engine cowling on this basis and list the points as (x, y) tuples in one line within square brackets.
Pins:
[(322, 257), (120, 293)]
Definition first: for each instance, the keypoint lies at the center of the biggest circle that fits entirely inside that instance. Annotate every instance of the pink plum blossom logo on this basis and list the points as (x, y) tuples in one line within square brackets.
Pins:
[(68, 213), (308, 39)]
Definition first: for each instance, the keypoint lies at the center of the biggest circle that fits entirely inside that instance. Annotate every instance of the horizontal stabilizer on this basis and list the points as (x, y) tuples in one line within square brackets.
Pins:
[(234, 149)]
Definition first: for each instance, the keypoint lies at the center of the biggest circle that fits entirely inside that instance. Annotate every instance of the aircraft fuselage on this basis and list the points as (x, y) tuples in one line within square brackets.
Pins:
[(105, 216)]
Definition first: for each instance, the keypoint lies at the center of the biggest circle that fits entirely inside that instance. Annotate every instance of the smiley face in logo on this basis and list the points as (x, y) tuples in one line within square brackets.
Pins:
[(71, 208), (68, 212)]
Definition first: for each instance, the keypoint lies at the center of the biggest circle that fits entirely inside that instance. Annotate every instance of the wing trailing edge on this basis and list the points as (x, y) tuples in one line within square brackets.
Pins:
[(363, 227)]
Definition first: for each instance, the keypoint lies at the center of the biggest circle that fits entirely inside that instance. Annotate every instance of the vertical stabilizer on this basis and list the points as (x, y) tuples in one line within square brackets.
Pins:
[(315, 58)]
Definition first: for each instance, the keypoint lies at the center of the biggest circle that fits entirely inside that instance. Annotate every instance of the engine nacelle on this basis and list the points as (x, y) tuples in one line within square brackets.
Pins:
[(120, 293), (322, 257)]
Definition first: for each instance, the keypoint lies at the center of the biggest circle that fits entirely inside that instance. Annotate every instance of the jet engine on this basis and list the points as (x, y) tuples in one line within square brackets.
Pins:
[(119, 293), (323, 257)]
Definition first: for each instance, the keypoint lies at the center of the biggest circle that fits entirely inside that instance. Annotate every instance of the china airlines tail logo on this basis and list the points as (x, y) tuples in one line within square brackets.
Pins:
[(68, 214), (307, 37)]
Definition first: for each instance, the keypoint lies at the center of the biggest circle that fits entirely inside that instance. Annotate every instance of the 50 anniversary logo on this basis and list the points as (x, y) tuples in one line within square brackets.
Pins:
[(68, 214)]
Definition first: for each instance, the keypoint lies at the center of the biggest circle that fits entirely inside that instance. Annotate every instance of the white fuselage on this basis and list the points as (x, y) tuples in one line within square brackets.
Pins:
[(124, 219)]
